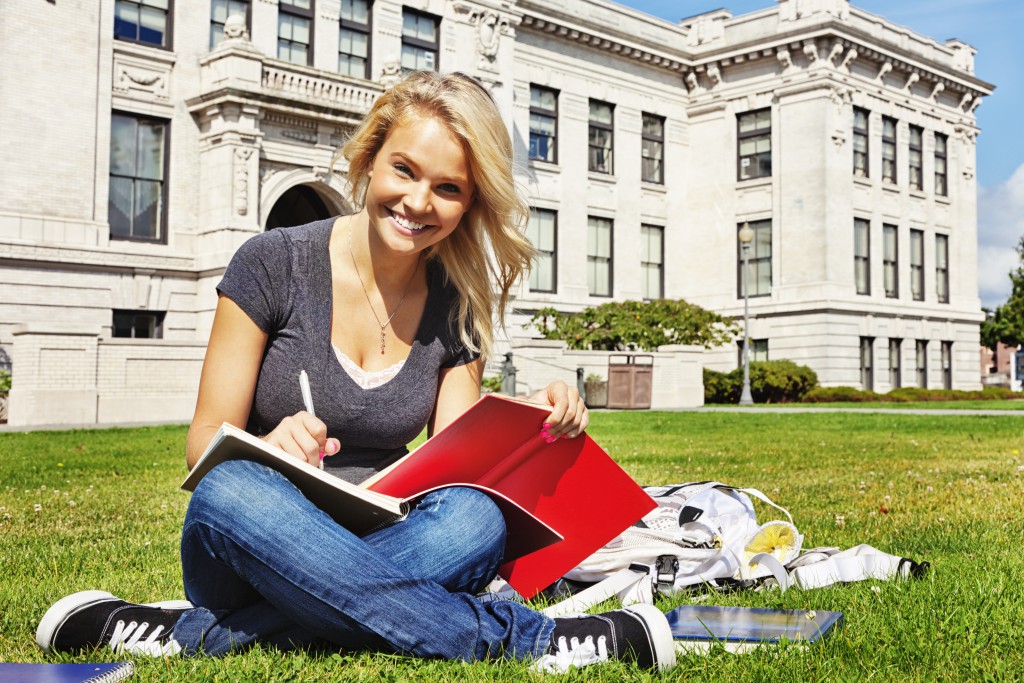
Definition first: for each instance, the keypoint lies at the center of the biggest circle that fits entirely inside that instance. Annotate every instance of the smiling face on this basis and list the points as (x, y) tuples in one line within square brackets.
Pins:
[(420, 186)]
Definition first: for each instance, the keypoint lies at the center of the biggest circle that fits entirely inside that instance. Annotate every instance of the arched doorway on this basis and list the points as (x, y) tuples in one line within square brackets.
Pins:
[(298, 206)]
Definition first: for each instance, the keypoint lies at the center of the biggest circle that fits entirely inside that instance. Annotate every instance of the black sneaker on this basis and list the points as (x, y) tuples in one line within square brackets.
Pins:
[(639, 633), (89, 619)]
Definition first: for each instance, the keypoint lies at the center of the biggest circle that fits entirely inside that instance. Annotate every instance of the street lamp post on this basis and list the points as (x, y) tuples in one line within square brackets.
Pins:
[(746, 236)]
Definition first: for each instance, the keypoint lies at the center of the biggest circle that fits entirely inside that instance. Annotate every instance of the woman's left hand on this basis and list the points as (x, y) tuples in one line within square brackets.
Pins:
[(569, 416)]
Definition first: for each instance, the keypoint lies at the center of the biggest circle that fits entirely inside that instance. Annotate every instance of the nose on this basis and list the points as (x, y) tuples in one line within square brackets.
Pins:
[(418, 198)]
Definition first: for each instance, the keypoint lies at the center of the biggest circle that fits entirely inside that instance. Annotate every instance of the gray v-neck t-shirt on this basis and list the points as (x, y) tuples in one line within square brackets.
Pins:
[(282, 280)]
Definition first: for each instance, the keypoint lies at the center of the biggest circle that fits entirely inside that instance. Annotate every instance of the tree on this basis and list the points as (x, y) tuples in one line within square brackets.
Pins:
[(636, 325), (1006, 322)]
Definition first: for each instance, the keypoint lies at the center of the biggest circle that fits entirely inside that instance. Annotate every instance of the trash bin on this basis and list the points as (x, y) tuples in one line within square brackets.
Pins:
[(629, 380)]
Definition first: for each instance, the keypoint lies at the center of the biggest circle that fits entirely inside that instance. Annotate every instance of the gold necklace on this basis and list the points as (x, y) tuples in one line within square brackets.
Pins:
[(387, 322)]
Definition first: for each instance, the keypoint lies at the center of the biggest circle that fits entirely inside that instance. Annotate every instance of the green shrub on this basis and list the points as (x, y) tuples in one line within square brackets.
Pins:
[(839, 395), (722, 387), (5, 381), (780, 381), (773, 381), (907, 395), (492, 384)]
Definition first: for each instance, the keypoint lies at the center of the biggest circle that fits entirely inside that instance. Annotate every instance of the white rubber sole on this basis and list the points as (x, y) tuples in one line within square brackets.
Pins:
[(171, 604), (661, 634), (61, 610)]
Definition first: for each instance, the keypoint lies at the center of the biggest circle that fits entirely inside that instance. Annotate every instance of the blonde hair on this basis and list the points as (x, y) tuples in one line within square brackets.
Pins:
[(497, 213)]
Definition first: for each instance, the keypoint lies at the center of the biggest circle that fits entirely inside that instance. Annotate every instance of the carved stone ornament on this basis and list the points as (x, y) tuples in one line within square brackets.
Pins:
[(850, 57), (885, 68), (234, 28), (785, 59), (939, 87), (242, 180), (911, 80), (714, 74), (965, 100), (391, 72), (837, 50), (691, 81), (811, 50), (489, 28), (135, 79)]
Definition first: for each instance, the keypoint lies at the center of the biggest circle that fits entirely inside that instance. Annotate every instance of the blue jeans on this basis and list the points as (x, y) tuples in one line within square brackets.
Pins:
[(264, 565)]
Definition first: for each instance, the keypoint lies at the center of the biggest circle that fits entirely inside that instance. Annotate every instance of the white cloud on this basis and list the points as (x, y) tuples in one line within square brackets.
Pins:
[(1000, 227)]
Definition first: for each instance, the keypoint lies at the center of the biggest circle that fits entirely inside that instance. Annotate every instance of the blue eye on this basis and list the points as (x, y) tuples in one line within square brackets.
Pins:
[(451, 189)]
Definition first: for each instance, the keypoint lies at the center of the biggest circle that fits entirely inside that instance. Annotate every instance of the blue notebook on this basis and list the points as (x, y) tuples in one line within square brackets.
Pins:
[(66, 673), (738, 629)]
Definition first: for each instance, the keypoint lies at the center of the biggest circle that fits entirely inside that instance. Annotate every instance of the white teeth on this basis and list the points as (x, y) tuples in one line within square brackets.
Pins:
[(406, 223)]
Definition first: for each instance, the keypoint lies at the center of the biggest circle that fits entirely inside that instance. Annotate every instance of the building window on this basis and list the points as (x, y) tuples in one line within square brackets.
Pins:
[(758, 351), (921, 360), (542, 233), (420, 44), (601, 137), (294, 34), (947, 365), (354, 39), (916, 156), (652, 261), (860, 142), (143, 21), (917, 264), (220, 10), (599, 256), (759, 281), (543, 123), (135, 205), (862, 255), (754, 136), (941, 185), (867, 363), (890, 261), (888, 150), (652, 149), (895, 364), (138, 324), (942, 268)]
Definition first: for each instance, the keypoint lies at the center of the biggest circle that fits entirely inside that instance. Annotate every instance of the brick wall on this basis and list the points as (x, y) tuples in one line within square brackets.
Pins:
[(66, 374)]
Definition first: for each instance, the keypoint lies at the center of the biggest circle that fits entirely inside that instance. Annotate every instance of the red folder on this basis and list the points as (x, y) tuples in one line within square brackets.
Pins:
[(572, 485)]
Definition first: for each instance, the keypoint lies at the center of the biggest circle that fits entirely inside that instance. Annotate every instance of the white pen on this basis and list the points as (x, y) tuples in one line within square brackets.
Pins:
[(307, 399)]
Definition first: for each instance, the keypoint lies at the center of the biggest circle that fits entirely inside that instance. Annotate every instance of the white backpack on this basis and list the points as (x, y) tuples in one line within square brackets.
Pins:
[(699, 533)]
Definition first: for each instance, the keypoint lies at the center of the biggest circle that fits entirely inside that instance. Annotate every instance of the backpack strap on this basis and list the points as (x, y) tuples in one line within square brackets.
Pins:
[(760, 496), (855, 564), (631, 585)]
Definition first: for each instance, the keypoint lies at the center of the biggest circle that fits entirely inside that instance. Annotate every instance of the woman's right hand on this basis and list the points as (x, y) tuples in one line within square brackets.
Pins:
[(303, 436)]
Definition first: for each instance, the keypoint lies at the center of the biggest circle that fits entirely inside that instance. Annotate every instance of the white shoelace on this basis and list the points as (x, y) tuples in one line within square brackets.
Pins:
[(573, 653), (129, 638)]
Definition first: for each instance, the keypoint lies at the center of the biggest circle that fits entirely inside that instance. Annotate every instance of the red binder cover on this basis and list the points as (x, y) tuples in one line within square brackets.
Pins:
[(572, 485)]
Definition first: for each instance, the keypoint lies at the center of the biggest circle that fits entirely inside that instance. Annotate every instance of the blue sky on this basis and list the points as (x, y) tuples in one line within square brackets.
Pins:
[(993, 27)]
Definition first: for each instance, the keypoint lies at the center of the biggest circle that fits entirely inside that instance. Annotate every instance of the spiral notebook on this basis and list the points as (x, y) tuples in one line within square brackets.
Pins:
[(66, 673)]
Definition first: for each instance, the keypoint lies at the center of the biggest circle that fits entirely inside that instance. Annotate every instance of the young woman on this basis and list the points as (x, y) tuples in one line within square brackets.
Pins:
[(390, 312)]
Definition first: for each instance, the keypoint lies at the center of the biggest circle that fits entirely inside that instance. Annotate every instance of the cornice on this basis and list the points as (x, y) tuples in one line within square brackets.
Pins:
[(605, 42), (844, 44)]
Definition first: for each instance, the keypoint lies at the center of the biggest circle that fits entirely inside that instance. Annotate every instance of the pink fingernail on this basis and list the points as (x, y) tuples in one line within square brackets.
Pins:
[(545, 433), (322, 454), (548, 425), (551, 439)]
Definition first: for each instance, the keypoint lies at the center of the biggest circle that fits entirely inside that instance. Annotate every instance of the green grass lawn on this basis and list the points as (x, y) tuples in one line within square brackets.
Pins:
[(101, 509)]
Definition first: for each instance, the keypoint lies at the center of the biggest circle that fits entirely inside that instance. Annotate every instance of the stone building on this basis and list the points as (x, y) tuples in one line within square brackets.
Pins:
[(151, 137)]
